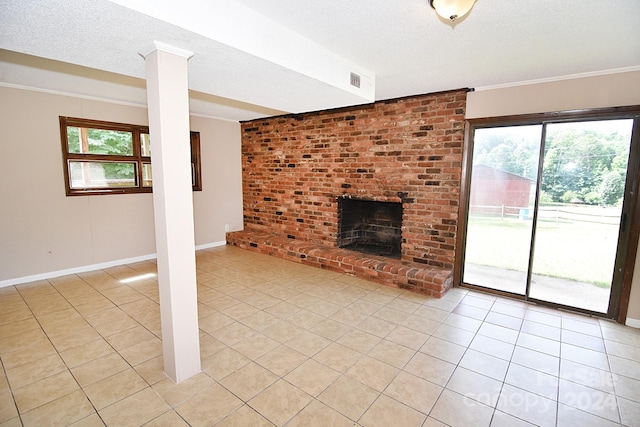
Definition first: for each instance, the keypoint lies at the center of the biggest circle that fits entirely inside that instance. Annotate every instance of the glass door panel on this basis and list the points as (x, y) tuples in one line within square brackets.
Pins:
[(579, 212), (501, 205)]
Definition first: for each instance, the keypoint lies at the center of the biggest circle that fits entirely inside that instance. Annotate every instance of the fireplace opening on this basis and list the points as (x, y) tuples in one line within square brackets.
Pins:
[(370, 227)]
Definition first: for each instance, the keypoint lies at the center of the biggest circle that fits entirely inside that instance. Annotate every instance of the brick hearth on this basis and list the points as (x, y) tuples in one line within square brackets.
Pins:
[(433, 281), (407, 150)]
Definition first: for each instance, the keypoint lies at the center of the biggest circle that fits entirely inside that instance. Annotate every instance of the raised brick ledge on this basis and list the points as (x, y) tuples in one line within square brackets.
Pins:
[(417, 277)]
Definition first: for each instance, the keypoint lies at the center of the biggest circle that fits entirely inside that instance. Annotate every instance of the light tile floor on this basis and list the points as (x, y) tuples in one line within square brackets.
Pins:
[(286, 344)]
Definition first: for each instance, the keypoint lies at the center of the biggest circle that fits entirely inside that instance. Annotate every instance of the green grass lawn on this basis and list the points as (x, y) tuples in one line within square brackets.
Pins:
[(574, 250)]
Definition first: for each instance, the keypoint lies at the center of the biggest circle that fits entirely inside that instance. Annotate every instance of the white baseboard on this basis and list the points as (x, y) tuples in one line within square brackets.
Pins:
[(211, 245), (74, 270), (634, 323), (92, 267)]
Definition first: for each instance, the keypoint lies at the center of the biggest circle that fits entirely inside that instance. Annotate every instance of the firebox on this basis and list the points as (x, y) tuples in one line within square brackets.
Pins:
[(370, 226)]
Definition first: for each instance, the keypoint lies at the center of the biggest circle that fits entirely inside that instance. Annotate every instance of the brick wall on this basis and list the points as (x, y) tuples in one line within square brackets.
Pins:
[(409, 149)]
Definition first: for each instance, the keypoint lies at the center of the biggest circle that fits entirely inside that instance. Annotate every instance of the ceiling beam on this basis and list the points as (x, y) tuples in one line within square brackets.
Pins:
[(237, 26)]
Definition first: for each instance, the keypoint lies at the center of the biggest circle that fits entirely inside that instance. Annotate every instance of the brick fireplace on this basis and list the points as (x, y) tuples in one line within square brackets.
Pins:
[(298, 168)]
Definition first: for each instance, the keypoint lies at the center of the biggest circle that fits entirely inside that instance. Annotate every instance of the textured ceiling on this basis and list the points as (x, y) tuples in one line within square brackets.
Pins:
[(255, 58)]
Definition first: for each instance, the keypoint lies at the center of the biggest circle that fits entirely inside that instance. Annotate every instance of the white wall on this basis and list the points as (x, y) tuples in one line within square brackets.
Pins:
[(220, 201), (601, 91), (43, 232)]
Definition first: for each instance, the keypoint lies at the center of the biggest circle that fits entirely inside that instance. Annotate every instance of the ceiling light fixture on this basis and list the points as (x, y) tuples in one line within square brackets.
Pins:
[(452, 9)]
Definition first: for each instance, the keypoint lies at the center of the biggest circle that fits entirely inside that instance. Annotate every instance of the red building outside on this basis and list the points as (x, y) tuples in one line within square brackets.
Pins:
[(496, 192)]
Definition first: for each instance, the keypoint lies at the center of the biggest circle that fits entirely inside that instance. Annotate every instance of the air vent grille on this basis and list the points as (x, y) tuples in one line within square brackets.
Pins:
[(355, 80)]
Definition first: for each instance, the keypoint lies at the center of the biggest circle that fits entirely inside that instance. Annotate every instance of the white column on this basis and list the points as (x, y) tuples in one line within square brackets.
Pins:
[(168, 103)]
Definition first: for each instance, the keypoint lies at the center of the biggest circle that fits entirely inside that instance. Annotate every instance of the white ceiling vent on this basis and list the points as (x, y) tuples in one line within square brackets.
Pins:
[(355, 80)]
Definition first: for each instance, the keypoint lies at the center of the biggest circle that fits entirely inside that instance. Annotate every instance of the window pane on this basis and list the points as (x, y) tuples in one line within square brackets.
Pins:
[(146, 175), (99, 141), (578, 223), (501, 203), (145, 145), (101, 175)]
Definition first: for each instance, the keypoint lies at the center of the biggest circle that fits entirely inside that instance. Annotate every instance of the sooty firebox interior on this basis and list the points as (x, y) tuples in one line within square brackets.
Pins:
[(369, 226)]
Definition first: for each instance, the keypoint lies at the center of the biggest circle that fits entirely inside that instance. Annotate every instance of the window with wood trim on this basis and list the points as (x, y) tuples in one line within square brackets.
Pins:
[(112, 158)]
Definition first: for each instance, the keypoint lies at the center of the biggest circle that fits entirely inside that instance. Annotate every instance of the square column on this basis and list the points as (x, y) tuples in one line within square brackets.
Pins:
[(168, 105)]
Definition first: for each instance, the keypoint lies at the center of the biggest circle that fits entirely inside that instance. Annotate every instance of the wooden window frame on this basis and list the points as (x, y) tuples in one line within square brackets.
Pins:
[(137, 158)]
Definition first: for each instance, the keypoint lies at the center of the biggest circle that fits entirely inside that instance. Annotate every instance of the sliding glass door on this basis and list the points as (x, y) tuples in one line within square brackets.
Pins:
[(545, 213)]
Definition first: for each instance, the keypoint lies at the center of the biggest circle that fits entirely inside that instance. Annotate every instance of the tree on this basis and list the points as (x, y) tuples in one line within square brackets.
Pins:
[(611, 188), (577, 160), (516, 152), (102, 141)]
